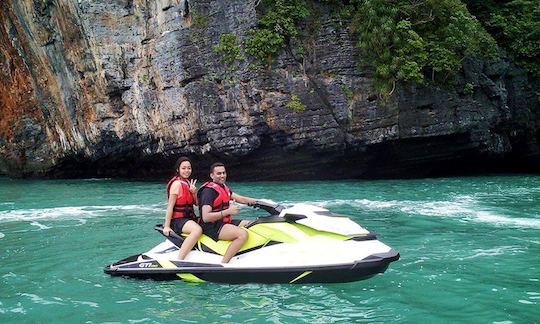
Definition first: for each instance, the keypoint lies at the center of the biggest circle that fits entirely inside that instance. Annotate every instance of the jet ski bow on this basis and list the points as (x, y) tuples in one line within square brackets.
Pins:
[(299, 244)]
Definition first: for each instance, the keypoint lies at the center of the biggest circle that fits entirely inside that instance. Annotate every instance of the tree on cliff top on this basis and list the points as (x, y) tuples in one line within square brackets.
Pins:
[(417, 40), (516, 27)]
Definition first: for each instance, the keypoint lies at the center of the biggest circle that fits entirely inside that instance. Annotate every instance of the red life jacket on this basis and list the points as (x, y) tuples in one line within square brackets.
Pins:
[(222, 200), (183, 206)]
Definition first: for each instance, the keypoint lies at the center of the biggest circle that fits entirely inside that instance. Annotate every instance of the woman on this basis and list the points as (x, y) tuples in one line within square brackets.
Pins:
[(180, 216)]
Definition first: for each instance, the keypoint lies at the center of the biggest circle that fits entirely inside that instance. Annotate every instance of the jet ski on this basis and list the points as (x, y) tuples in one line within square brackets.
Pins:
[(300, 244)]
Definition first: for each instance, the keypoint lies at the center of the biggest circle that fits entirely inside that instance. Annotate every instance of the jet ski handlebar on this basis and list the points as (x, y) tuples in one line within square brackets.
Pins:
[(159, 228), (271, 207)]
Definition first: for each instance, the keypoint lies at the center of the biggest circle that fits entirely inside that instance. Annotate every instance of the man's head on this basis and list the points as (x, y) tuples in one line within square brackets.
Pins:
[(218, 173)]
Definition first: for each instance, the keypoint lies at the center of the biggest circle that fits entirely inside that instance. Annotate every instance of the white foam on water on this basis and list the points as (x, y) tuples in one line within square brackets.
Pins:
[(39, 300), (371, 204), (142, 320), (85, 281), (523, 301), (2, 235), (488, 217), (78, 212), (96, 179), (532, 293), (494, 252), (40, 226), (18, 310), (9, 275), (87, 303), (463, 207), (132, 299), (435, 208)]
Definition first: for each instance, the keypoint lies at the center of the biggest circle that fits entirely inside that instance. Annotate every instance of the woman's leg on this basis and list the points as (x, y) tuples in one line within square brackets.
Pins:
[(237, 235), (194, 231)]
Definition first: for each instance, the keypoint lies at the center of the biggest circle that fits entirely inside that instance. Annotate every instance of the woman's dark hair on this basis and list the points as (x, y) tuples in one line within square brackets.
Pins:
[(178, 162)]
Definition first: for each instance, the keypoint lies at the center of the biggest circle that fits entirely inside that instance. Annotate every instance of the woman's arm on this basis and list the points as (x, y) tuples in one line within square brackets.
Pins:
[(173, 195)]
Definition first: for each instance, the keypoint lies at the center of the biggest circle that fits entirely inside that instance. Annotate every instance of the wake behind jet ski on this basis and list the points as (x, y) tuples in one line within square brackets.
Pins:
[(300, 244)]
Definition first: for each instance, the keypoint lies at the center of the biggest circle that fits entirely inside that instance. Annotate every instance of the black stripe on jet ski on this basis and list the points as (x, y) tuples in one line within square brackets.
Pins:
[(129, 259), (294, 217), (267, 219), (337, 274), (365, 237), (167, 250)]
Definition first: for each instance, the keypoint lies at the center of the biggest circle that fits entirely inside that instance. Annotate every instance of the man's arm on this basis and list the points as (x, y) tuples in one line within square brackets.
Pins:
[(207, 197), (242, 199), (209, 216)]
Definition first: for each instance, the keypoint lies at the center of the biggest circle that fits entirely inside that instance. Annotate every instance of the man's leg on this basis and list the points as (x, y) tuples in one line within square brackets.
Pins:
[(244, 223), (237, 235)]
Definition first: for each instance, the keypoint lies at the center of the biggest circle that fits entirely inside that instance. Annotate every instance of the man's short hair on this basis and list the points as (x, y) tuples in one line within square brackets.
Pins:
[(215, 165)]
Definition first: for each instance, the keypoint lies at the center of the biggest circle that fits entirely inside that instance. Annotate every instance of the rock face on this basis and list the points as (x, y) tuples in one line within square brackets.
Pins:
[(123, 87)]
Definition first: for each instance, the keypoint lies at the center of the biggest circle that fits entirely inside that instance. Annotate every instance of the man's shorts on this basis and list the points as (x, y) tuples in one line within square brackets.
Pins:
[(213, 229)]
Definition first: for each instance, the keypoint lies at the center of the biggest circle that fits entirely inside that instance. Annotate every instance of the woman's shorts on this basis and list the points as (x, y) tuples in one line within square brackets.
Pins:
[(178, 223)]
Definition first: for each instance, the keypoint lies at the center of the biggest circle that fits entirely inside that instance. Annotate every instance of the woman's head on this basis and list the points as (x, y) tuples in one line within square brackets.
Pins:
[(182, 167)]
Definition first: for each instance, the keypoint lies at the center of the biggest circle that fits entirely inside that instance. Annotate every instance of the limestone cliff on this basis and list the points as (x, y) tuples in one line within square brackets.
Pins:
[(123, 87)]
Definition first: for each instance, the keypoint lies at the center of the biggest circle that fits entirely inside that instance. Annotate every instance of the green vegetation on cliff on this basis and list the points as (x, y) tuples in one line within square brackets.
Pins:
[(277, 26), (417, 40), (295, 104), (413, 41), (516, 27), (228, 49)]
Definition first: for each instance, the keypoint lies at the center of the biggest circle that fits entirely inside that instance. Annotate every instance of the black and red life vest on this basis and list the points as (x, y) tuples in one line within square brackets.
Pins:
[(222, 200), (183, 206)]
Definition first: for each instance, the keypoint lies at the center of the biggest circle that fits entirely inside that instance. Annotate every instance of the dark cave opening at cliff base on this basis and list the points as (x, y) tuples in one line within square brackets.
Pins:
[(346, 168), (451, 155), (442, 156)]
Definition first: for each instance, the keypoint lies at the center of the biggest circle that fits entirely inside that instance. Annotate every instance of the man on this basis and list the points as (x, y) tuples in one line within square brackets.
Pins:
[(217, 205)]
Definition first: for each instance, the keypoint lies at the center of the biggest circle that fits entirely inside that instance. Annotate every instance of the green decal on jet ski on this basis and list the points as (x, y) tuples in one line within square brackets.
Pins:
[(292, 233), (166, 264), (301, 276), (189, 277), (220, 247)]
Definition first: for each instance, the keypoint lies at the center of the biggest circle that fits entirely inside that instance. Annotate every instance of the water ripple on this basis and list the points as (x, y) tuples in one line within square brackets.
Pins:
[(494, 252), (464, 208), (39, 300), (78, 212), (86, 303)]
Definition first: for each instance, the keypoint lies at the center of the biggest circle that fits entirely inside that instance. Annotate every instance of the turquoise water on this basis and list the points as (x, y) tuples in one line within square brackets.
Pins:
[(470, 252)]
